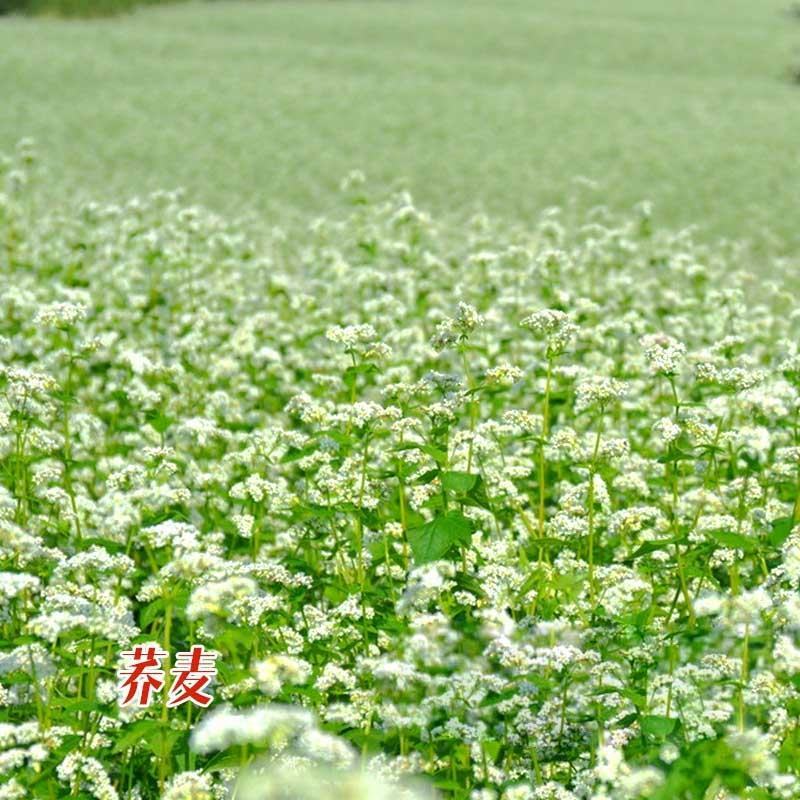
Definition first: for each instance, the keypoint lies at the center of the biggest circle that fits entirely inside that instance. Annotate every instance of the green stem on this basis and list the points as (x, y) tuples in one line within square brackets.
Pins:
[(68, 443), (167, 641), (744, 674), (473, 410), (545, 434), (796, 512), (592, 473)]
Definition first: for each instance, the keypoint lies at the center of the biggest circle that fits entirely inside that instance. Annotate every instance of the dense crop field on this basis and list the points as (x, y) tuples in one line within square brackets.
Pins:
[(265, 105), (473, 475), (514, 513)]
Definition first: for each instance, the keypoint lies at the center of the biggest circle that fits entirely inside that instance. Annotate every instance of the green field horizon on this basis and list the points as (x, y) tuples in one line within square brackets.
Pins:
[(472, 106)]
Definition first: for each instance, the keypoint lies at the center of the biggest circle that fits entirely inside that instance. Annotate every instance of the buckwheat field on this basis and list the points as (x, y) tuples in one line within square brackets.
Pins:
[(478, 512)]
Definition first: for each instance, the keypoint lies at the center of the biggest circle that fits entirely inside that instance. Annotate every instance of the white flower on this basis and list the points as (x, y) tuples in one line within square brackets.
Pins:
[(664, 354), (554, 326), (60, 315), (225, 726), (597, 392)]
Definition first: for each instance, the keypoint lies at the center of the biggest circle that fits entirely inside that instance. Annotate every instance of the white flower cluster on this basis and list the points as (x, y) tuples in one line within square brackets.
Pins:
[(554, 326), (521, 556)]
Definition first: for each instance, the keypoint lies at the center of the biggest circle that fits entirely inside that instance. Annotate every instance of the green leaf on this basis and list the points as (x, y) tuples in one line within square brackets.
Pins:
[(151, 612), (434, 539), (137, 732), (74, 704), (657, 725), (437, 454), (736, 540), (351, 373), (22, 640), (458, 482), (478, 496), (227, 759), (492, 748), (160, 421), (637, 698), (448, 785), (471, 584), (234, 638), (162, 744), (781, 528), (296, 453), (676, 455), (703, 763), (428, 477), (651, 547)]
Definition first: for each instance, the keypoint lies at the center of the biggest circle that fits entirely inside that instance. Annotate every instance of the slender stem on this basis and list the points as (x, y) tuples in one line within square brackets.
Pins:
[(796, 512), (545, 434), (590, 502), (473, 410), (359, 530), (167, 641), (744, 674), (671, 671), (68, 441)]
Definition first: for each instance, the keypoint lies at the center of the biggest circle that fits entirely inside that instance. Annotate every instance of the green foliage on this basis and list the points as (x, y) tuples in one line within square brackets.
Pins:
[(681, 103), (707, 764), (514, 510), (657, 726), (72, 8), (436, 538)]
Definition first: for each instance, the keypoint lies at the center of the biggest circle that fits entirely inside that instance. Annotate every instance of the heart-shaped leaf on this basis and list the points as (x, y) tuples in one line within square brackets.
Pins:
[(434, 539)]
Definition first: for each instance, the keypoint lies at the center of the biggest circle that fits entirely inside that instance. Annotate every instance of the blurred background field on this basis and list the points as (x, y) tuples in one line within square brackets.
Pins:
[(477, 104)]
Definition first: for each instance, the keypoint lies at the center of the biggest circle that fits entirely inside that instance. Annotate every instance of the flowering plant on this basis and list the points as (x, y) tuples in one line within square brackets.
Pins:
[(515, 512)]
